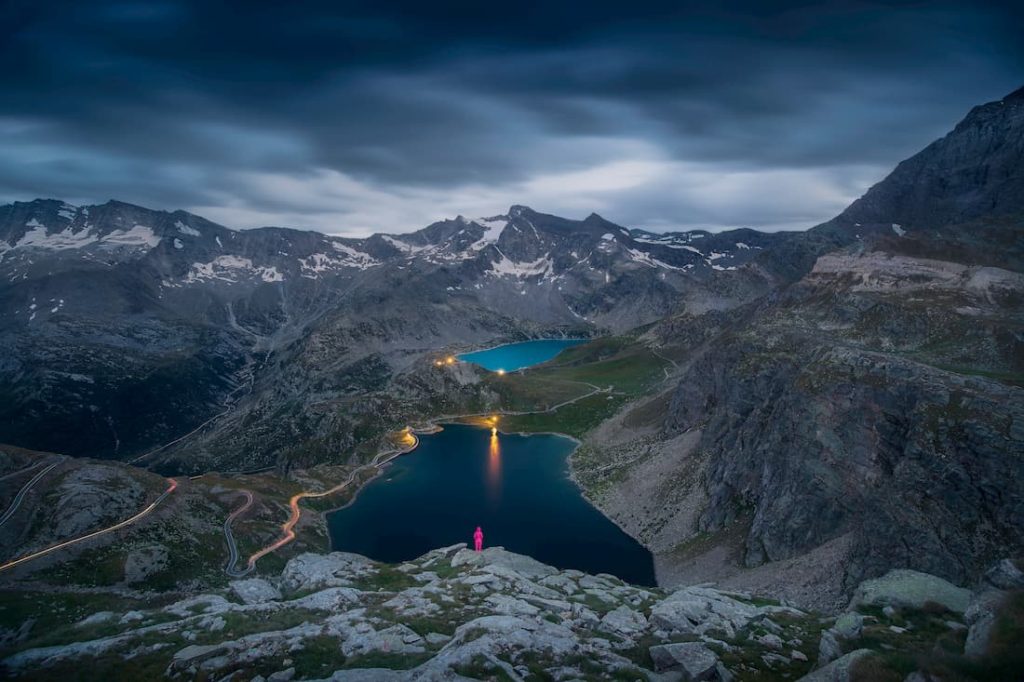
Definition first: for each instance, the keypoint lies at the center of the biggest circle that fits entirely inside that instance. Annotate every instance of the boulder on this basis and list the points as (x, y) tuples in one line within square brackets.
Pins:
[(848, 625), (331, 599), (625, 621), (838, 670), (501, 558), (700, 610), (981, 619), (397, 639), (828, 648), (1005, 575), (255, 591), (693, 659), (337, 569), (96, 618), (510, 606), (911, 589)]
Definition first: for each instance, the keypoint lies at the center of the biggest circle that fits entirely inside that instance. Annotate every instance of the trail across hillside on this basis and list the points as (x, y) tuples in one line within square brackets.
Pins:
[(103, 531), (24, 491)]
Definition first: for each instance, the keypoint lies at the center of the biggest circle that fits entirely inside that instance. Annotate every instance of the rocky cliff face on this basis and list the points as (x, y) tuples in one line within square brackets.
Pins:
[(869, 415), (454, 614), (973, 171)]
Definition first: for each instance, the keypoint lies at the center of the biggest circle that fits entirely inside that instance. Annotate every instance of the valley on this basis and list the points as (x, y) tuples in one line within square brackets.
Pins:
[(790, 437)]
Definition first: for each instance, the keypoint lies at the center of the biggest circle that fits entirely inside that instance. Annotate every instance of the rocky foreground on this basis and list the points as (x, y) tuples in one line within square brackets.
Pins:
[(455, 614)]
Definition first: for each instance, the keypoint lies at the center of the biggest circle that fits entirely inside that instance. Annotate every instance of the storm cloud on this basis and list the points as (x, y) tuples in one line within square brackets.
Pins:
[(352, 118)]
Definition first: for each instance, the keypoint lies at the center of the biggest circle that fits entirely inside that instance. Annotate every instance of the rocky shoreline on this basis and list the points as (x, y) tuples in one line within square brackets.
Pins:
[(454, 614)]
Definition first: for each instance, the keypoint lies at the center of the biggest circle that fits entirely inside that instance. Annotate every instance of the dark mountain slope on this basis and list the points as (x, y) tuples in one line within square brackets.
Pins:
[(870, 414)]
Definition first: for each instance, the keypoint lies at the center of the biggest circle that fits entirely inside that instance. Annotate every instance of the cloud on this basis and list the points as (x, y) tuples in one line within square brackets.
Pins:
[(369, 118), (629, 191)]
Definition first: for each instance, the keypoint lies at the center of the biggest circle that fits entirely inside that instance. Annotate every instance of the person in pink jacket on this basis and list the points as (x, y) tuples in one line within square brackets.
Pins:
[(478, 539)]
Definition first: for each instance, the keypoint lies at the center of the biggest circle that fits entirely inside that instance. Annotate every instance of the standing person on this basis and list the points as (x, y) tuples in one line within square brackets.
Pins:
[(478, 539)]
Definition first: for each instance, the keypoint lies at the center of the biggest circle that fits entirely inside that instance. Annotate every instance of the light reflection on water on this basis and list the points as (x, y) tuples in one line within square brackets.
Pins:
[(516, 487), (494, 470)]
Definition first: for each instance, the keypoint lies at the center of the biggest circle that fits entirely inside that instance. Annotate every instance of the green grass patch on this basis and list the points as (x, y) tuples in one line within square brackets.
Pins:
[(480, 668), (387, 578), (384, 659), (318, 658)]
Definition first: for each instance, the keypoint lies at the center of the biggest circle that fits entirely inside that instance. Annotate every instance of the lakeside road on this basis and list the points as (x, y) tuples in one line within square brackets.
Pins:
[(96, 533), (295, 513), (24, 491), (230, 567)]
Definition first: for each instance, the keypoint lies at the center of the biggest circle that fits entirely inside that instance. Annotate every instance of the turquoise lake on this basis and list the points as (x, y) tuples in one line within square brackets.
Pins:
[(513, 356), (515, 487)]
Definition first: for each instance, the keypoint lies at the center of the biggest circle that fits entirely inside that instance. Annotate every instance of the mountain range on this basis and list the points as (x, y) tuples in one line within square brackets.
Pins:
[(849, 396)]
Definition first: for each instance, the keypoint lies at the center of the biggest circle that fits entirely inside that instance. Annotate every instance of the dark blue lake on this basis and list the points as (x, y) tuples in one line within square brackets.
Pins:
[(513, 356), (515, 487)]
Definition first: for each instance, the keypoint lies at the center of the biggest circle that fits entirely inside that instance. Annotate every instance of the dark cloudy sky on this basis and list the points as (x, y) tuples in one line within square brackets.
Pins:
[(353, 117)]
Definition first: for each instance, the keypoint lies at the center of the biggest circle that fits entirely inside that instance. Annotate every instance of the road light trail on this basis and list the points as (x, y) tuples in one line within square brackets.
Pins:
[(21, 493), (295, 513), (117, 526), (19, 472)]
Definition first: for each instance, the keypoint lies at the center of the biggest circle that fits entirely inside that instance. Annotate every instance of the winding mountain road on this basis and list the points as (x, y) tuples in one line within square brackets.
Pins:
[(24, 490), (230, 568), (19, 472), (288, 527), (96, 533)]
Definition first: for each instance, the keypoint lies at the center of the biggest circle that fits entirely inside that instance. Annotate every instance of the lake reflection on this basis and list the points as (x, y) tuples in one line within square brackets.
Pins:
[(515, 487)]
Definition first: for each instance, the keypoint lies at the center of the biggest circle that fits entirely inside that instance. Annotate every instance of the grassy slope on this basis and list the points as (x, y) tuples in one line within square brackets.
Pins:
[(620, 365)]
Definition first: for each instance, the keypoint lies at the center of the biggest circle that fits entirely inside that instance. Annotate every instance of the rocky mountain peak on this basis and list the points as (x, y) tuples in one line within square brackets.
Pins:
[(975, 170), (517, 210)]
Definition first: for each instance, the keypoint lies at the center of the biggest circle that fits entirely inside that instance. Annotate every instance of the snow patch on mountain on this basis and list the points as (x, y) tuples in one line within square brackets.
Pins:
[(319, 263), (510, 268), (493, 228), (37, 238), (404, 247), (231, 269), (355, 258), (67, 212), (185, 229), (647, 259), (139, 235)]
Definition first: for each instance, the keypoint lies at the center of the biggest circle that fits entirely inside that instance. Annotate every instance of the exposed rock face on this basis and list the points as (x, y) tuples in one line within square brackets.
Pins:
[(456, 614), (143, 562), (134, 327), (255, 591), (876, 400), (911, 589), (451, 612), (973, 171), (693, 659)]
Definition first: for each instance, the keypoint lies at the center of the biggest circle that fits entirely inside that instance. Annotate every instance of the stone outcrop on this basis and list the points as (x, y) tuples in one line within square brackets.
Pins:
[(911, 589), (458, 614)]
